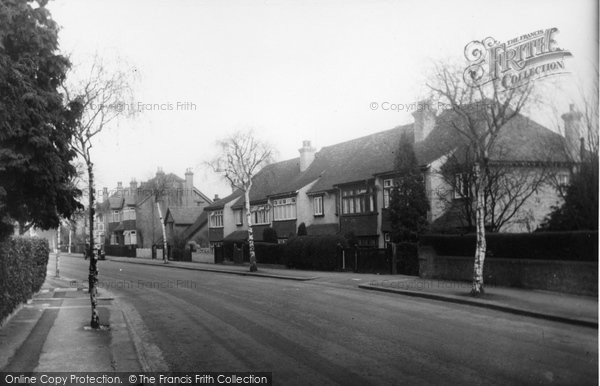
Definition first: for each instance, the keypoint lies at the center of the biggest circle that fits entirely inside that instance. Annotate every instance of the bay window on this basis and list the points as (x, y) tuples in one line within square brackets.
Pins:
[(284, 209), (216, 219), (261, 214), (357, 200)]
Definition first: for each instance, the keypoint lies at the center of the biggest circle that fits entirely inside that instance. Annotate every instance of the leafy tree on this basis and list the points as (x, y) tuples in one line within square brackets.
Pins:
[(36, 127), (579, 211), (408, 201), (302, 229)]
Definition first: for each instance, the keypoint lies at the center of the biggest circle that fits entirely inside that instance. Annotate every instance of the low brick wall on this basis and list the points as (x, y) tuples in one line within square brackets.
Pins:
[(145, 253), (577, 277)]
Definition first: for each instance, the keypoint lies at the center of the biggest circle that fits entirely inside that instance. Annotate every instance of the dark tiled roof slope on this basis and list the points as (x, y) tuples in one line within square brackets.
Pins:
[(199, 223), (184, 215)]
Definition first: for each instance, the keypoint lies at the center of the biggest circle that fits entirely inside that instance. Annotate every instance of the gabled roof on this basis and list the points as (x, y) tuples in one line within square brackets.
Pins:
[(115, 201), (196, 226), (183, 215), (220, 204), (360, 159)]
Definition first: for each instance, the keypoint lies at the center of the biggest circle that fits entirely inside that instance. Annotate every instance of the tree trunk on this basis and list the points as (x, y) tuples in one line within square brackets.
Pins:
[(477, 288), (164, 232), (93, 269), (70, 239), (253, 266), (57, 272)]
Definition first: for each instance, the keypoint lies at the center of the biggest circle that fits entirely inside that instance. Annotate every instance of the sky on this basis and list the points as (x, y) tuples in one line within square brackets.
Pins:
[(289, 70)]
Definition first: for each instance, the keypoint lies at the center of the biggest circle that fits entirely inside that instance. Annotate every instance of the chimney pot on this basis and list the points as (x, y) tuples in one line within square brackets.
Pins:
[(216, 197)]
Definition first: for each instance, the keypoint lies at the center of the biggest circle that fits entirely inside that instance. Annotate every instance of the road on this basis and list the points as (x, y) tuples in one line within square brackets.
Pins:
[(328, 331)]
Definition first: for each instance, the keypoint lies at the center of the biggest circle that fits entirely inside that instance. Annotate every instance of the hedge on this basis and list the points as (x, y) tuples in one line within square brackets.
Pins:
[(573, 246), (23, 264), (314, 251), (266, 253)]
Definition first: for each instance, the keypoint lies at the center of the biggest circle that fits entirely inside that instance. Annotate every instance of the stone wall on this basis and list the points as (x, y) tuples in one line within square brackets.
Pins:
[(577, 277)]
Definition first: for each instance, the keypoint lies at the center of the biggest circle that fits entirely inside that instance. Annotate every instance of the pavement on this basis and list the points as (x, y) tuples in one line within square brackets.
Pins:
[(548, 305), (51, 332)]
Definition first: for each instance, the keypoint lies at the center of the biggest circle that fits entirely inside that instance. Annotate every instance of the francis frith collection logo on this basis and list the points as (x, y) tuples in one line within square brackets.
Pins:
[(514, 63)]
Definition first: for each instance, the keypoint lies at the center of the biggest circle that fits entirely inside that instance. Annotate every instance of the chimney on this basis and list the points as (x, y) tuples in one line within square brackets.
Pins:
[(216, 198), (104, 194), (424, 119), (307, 155), (159, 172), (133, 187), (189, 187), (119, 188), (573, 133)]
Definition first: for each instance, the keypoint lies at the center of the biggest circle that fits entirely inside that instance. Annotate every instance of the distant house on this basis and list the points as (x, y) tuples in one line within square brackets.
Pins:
[(131, 217), (345, 188)]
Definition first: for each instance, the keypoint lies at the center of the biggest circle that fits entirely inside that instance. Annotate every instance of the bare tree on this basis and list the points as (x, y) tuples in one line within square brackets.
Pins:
[(242, 155), (480, 112), (509, 185), (160, 192), (102, 95)]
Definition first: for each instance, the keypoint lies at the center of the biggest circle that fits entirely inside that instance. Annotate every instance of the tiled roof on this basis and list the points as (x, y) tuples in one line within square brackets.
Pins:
[(323, 229), (183, 215), (198, 224), (237, 236), (116, 202), (219, 204), (521, 140)]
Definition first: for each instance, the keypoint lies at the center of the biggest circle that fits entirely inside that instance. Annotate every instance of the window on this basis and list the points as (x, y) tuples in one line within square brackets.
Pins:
[(563, 180), (461, 185), (388, 186), (216, 219), (284, 209), (261, 214), (239, 219), (129, 238), (318, 205), (129, 214), (116, 216), (357, 200)]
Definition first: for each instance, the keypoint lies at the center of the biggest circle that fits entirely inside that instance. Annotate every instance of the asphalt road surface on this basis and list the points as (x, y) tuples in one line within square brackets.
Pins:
[(328, 331)]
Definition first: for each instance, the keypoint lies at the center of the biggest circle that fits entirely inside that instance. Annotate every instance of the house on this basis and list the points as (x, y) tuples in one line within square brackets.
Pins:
[(131, 217), (345, 188)]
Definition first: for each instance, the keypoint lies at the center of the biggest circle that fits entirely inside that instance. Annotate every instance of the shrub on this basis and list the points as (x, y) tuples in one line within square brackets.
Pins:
[(269, 253), (314, 251), (579, 245), (23, 264), (269, 235), (302, 229)]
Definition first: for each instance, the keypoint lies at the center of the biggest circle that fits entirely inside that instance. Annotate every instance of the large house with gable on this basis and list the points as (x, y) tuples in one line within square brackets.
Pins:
[(129, 216), (346, 187)]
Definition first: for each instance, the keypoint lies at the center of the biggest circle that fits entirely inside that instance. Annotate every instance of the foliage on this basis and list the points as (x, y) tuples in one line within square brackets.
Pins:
[(408, 201), (36, 127), (314, 252), (577, 246), (302, 229), (579, 210), (269, 235), (22, 271)]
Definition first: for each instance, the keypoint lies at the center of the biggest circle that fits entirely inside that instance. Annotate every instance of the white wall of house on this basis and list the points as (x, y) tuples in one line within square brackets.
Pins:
[(304, 206), (229, 221)]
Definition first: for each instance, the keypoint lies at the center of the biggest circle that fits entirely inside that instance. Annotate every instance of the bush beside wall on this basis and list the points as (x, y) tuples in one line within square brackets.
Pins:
[(569, 246), (23, 264)]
